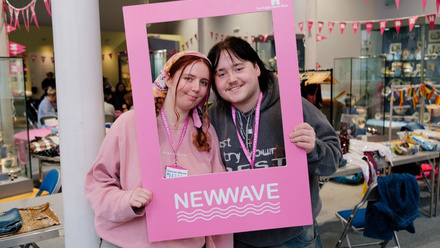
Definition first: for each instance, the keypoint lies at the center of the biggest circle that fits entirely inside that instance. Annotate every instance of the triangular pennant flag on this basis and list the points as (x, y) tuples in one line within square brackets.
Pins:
[(191, 40), (382, 25), (431, 19), (186, 43), (11, 15), (24, 56), (10, 28), (34, 16), (110, 55), (342, 26), (28, 20), (310, 25), (424, 5), (222, 37), (245, 38), (331, 25), (195, 36), (102, 56), (212, 35), (15, 48), (52, 59), (398, 24), (33, 57), (412, 22), (301, 26), (369, 25), (265, 37), (355, 26), (43, 58), (252, 39), (437, 4), (320, 25), (16, 13), (47, 3), (260, 37), (216, 36), (320, 37), (397, 3)]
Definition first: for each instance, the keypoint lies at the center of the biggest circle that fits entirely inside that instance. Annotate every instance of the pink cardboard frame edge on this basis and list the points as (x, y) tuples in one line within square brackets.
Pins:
[(252, 200)]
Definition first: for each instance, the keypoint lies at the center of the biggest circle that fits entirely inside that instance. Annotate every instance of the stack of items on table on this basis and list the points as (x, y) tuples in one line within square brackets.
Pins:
[(413, 142)]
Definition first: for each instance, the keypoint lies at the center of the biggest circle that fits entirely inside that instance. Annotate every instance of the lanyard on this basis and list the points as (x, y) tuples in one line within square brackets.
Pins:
[(182, 135), (257, 124)]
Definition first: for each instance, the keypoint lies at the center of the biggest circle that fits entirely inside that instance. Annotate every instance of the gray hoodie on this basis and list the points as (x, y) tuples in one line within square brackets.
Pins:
[(322, 161)]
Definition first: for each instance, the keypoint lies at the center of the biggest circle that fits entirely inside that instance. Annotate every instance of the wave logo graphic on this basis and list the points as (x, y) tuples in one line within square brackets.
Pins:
[(228, 212)]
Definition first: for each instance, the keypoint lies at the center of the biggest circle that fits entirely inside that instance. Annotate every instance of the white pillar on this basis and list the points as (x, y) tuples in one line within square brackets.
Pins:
[(310, 51), (77, 48)]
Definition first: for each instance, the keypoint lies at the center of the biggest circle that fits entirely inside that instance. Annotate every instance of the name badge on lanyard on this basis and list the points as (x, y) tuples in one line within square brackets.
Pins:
[(175, 171)]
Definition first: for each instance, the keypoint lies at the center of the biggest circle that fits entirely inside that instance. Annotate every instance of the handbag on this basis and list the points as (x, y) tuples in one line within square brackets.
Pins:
[(10, 222)]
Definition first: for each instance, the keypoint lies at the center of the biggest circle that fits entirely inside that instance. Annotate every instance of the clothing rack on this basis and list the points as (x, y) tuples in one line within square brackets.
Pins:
[(332, 81)]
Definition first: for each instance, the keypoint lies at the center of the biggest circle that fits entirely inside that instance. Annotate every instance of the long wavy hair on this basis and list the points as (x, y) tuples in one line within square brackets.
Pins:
[(202, 138)]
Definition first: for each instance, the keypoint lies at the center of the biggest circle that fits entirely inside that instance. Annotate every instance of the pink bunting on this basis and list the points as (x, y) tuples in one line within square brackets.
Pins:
[(245, 38), (397, 3), (110, 55), (118, 54), (301, 26), (431, 20), (34, 16), (15, 48), (252, 39), (33, 57), (216, 36), (102, 56), (265, 36), (43, 58), (331, 25), (52, 59), (212, 35), (195, 36), (398, 24), (183, 47), (355, 26), (10, 28), (369, 25), (16, 13), (191, 40), (342, 26), (260, 37), (310, 25), (320, 37), (222, 37), (412, 22), (382, 25), (11, 14), (437, 4), (424, 5), (47, 3), (320, 25)]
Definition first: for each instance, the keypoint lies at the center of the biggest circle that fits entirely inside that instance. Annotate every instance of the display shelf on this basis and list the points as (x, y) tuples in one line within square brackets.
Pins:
[(13, 118)]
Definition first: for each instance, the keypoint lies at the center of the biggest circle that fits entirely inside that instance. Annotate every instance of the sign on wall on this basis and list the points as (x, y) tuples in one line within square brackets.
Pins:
[(223, 202)]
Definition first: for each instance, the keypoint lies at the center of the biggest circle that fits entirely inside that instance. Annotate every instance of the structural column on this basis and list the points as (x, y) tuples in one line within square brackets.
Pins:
[(78, 71), (310, 42)]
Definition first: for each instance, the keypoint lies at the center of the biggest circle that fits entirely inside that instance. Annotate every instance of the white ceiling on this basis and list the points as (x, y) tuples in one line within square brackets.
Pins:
[(110, 12)]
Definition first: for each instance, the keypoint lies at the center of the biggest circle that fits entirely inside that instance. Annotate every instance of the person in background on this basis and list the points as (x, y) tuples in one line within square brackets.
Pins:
[(109, 98), (119, 94), (48, 107), (49, 81), (114, 186), (128, 105), (248, 92), (107, 84)]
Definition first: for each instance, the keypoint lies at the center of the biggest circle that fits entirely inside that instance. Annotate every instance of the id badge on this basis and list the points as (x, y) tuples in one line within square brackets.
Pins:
[(175, 171)]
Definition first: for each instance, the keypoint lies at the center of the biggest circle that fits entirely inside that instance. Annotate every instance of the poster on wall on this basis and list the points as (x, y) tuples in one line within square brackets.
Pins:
[(227, 202)]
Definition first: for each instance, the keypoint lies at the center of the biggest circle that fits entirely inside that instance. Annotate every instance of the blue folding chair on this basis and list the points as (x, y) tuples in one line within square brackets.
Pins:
[(51, 182)]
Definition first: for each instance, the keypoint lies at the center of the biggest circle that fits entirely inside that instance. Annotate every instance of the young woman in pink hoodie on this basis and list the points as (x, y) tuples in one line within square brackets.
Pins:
[(187, 141)]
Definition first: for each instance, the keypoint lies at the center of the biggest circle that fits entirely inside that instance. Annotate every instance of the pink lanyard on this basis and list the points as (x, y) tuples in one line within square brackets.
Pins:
[(257, 124), (182, 135)]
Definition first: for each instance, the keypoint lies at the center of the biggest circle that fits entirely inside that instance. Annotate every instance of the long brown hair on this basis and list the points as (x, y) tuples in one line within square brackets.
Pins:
[(202, 138)]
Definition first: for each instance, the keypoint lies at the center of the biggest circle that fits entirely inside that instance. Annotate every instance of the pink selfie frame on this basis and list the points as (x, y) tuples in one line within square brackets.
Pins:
[(223, 202)]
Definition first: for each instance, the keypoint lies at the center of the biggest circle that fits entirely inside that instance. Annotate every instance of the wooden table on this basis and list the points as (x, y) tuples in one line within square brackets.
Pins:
[(56, 203)]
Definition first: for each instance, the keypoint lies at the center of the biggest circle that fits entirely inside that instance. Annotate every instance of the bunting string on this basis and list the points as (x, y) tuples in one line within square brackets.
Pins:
[(15, 12)]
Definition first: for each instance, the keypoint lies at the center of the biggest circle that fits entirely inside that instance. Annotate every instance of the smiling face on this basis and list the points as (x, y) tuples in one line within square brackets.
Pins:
[(187, 87), (236, 81)]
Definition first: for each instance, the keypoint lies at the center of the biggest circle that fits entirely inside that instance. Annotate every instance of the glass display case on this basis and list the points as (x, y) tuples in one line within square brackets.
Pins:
[(15, 170), (358, 97)]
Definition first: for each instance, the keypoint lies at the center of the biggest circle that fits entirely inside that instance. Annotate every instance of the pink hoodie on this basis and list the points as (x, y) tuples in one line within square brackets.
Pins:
[(116, 173)]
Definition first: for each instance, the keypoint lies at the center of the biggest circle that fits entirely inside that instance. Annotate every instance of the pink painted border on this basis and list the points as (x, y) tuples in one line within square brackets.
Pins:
[(292, 207)]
